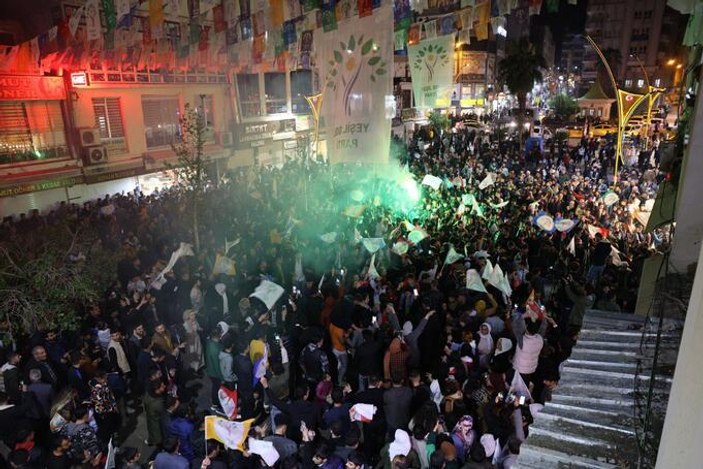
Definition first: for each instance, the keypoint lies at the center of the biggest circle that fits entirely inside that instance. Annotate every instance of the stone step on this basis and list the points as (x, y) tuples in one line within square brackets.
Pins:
[(569, 385), (623, 405), (606, 345), (622, 336), (580, 427), (623, 356), (616, 378), (537, 457), (588, 447), (602, 365), (588, 414)]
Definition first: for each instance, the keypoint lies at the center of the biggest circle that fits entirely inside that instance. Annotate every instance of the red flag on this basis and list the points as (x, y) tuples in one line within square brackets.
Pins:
[(365, 8), (228, 401), (218, 17)]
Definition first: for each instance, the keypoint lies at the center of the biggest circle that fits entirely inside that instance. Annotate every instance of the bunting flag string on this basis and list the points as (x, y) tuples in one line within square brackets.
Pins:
[(222, 31)]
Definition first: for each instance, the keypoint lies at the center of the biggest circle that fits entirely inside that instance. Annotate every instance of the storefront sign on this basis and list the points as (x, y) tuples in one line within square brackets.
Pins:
[(472, 102), (249, 133), (17, 88), (39, 186), (112, 175)]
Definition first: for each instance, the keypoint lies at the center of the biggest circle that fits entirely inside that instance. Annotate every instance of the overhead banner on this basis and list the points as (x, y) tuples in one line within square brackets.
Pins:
[(356, 61), (431, 67)]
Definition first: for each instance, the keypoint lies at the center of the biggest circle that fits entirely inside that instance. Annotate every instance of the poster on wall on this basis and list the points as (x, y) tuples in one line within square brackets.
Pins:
[(431, 67), (355, 61)]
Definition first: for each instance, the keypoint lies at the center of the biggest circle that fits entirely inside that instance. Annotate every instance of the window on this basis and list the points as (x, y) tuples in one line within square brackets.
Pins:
[(640, 83), (628, 83), (658, 82), (275, 93), (300, 86), (31, 130), (249, 94), (161, 115), (108, 119), (647, 14), (638, 15)]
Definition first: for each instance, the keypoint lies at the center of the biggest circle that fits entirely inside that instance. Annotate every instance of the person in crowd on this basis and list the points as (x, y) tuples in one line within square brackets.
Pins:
[(170, 457)]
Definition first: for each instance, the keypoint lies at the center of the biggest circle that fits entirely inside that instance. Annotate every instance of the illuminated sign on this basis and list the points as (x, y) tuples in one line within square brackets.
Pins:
[(39, 186), (471, 102), (24, 88), (79, 79)]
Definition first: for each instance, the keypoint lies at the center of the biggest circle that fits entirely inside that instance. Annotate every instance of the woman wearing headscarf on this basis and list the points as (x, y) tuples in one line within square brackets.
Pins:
[(500, 362), (464, 436), (485, 345), (193, 352)]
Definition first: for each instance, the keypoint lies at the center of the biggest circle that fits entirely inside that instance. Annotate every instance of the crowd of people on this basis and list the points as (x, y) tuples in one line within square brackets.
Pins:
[(454, 369)]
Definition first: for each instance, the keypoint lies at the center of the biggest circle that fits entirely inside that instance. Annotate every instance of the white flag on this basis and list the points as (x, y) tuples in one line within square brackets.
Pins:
[(264, 449), (489, 180), (487, 270), (373, 244), (372, 273), (496, 277), (75, 20), (572, 246), (362, 412), (355, 64), (230, 244), (452, 256), (268, 292), (473, 281), (505, 285), (519, 387), (92, 20), (329, 238), (122, 9), (433, 181)]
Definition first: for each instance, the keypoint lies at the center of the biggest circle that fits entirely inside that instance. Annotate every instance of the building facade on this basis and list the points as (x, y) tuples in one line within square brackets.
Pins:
[(640, 38)]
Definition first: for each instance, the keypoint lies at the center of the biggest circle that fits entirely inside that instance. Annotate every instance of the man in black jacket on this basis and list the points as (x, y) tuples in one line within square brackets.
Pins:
[(244, 370), (300, 410), (374, 431), (11, 376)]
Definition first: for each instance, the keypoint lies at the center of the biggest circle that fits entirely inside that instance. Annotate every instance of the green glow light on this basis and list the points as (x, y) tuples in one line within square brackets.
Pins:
[(410, 187)]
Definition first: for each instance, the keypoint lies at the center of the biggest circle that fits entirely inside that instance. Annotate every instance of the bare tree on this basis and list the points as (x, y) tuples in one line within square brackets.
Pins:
[(191, 173)]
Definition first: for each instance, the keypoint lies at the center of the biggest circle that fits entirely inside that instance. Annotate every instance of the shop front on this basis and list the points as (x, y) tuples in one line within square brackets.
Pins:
[(32, 119)]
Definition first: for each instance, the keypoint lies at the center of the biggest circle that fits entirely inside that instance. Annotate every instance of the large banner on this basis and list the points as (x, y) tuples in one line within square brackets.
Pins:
[(431, 68), (356, 67)]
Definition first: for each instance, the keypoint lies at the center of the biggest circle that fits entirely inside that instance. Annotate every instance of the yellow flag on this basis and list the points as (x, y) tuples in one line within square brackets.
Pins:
[(224, 265), (231, 434)]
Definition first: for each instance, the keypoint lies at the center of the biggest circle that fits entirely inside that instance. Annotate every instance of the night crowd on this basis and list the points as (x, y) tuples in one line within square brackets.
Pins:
[(456, 371)]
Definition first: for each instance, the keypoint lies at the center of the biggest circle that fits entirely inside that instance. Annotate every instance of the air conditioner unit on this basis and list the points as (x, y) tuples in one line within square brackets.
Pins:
[(94, 155), (226, 139), (89, 137)]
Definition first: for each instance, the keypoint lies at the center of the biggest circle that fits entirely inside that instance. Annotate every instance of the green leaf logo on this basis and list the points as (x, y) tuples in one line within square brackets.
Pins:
[(350, 59), (429, 57)]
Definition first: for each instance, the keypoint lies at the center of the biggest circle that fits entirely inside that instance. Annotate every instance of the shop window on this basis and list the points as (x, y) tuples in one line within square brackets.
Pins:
[(275, 93), (161, 120), (108, 120), (249, 94), (300, 87), (31, 130)]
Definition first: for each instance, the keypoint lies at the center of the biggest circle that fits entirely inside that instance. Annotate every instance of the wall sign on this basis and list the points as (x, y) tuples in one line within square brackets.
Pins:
[(39, 186), (14, 87)]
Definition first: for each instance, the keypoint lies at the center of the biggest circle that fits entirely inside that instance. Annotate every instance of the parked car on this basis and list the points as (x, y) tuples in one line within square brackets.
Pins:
[(574, 131), (601, 130)]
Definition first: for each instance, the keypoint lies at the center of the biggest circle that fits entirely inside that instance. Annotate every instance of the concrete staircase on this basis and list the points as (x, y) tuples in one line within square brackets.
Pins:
[(589, 423)]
